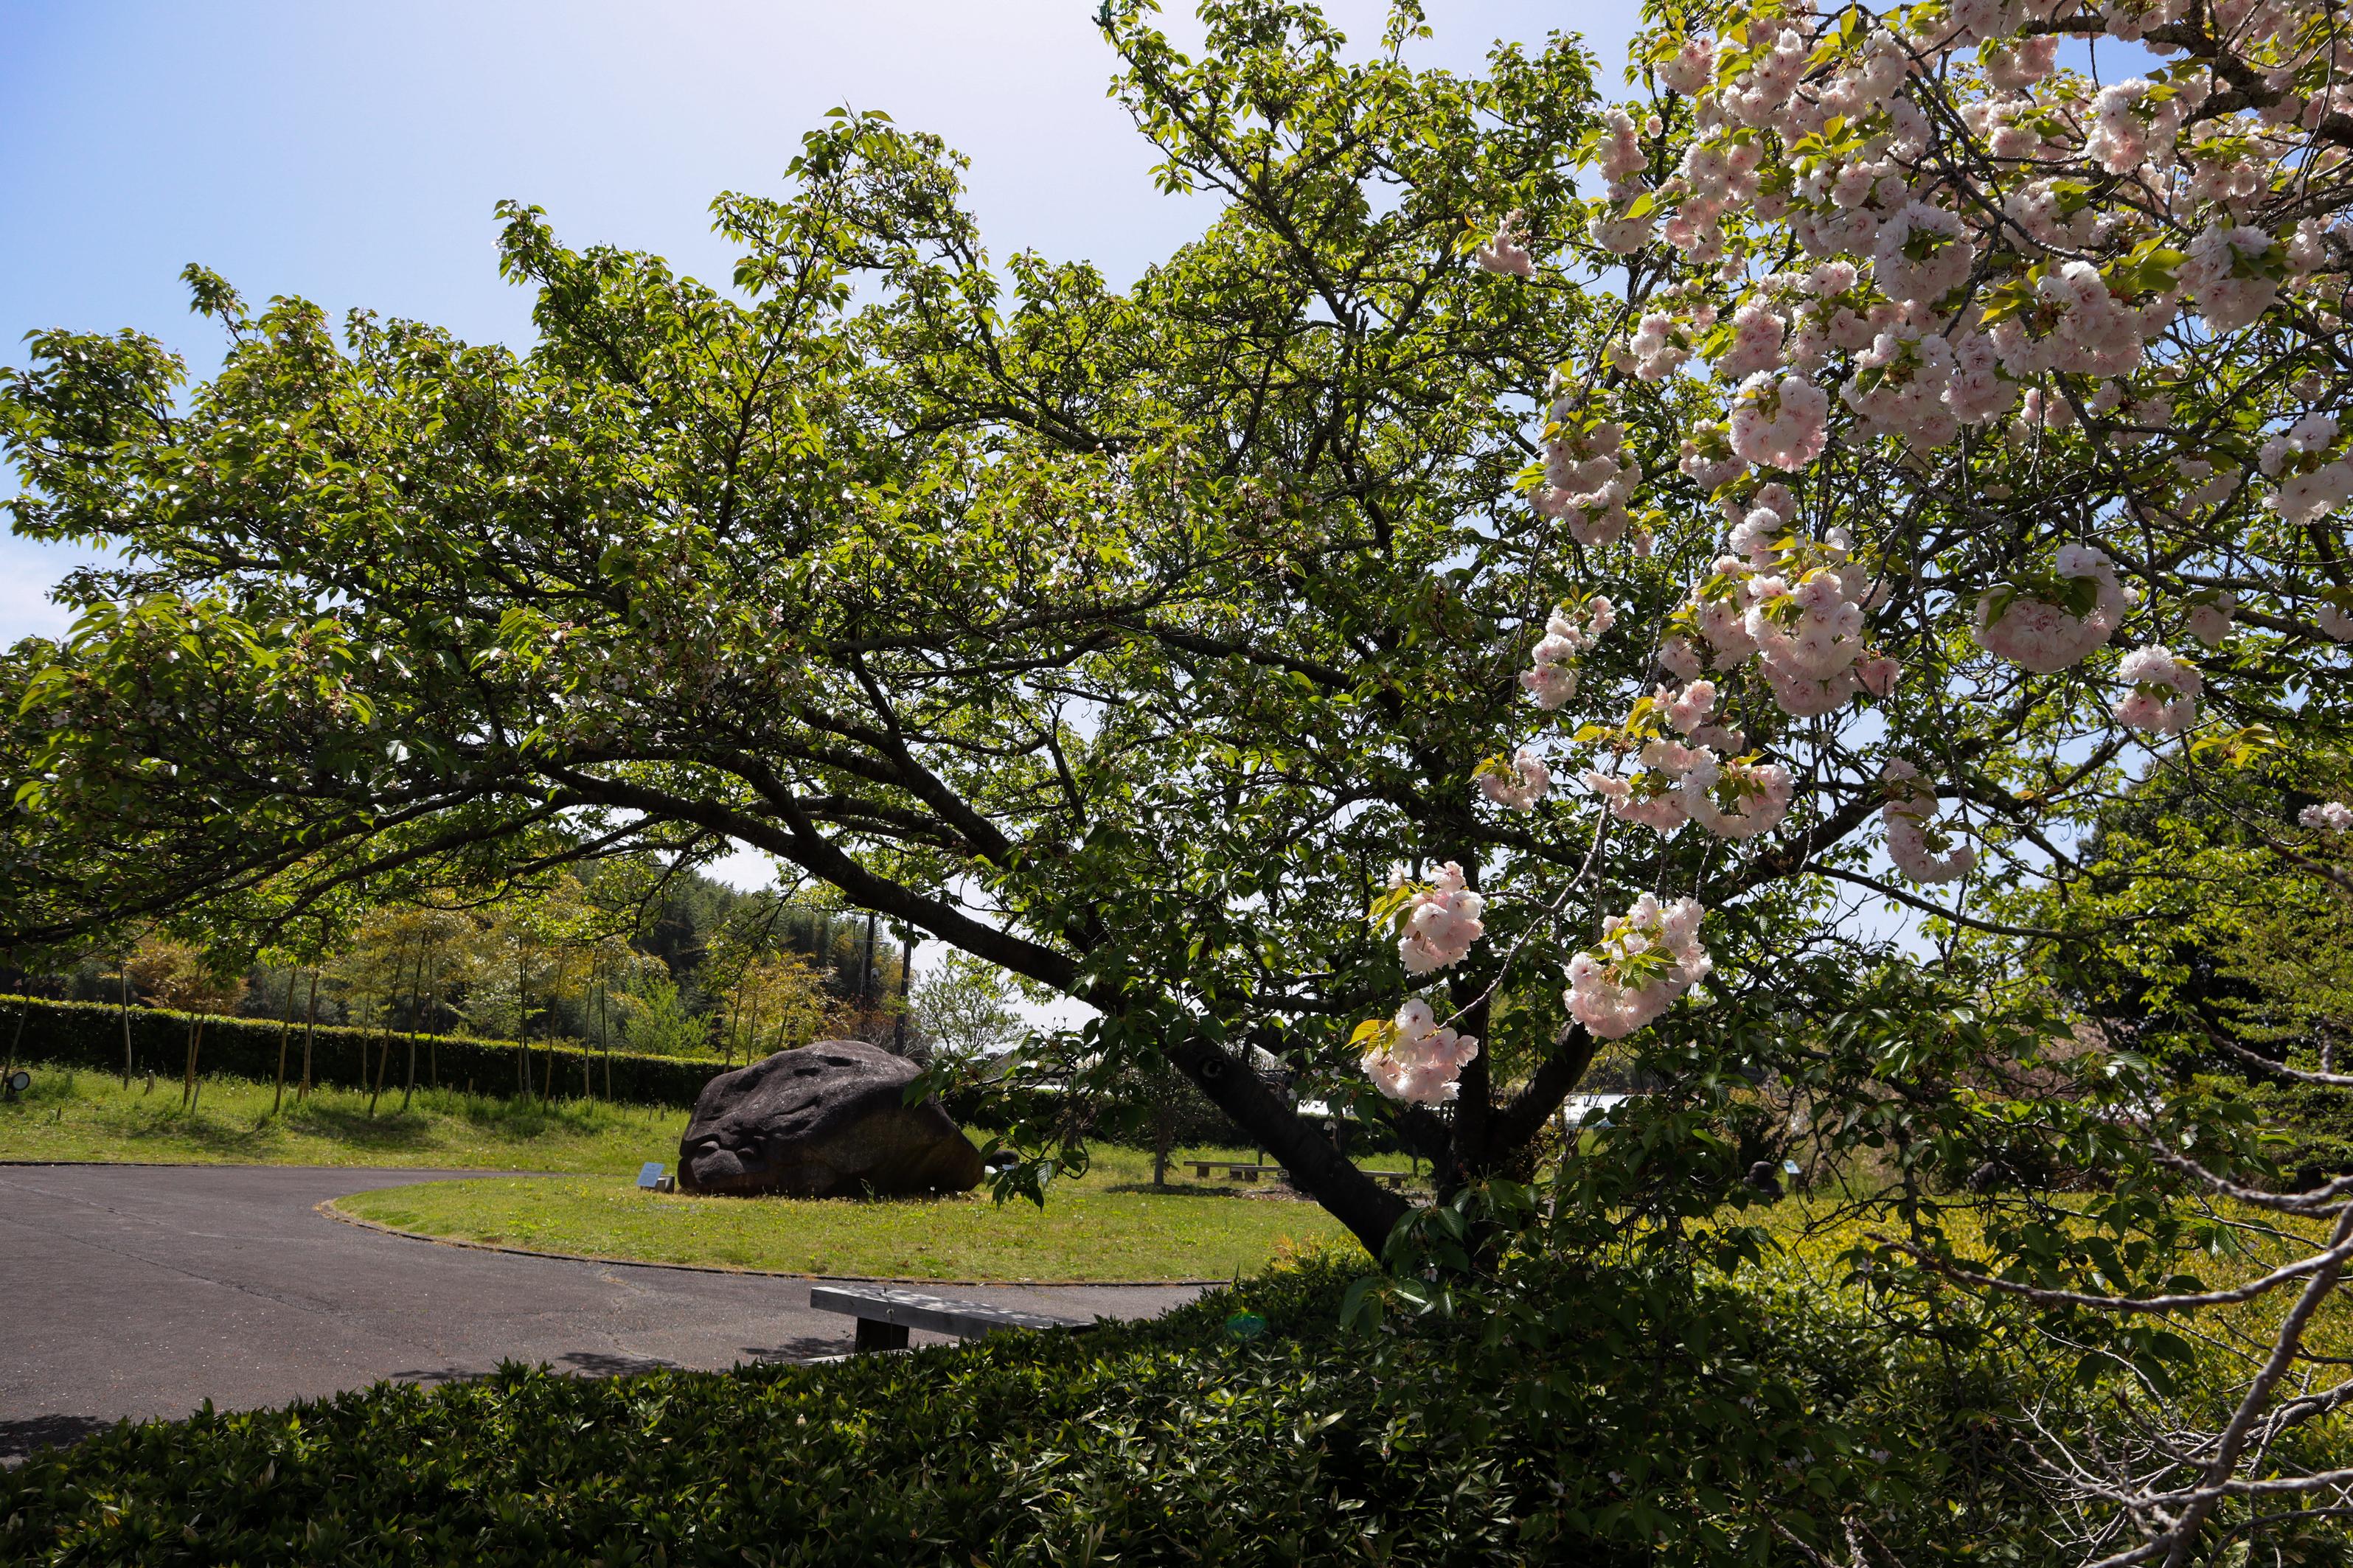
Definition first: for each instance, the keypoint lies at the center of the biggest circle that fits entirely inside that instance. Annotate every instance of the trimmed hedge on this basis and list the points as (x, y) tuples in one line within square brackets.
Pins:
[(90, 1035), (1605, 1430)]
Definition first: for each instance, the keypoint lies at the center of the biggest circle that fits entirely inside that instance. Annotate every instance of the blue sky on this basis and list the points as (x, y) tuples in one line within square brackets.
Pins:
[(351, 154)]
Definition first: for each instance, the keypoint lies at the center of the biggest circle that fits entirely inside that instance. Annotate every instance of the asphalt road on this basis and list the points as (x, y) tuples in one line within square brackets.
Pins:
[(145, 1291)]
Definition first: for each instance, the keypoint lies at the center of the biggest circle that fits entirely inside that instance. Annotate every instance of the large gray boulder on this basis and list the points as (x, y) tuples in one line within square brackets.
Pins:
[(826, 1121)]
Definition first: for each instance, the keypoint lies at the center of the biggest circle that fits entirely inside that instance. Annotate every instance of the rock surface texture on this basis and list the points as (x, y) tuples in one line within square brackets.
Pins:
[(826, 1121)]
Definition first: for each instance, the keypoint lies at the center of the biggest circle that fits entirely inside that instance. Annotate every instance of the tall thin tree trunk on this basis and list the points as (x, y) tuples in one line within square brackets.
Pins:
[(196, 1047), (415, 979), (285, 1039), (866, 978), (126, 1020), (188, 1079), (16, 1041), (433, 1038), (906, 969), (310, 1033), (523, 1026), (384, 1054)]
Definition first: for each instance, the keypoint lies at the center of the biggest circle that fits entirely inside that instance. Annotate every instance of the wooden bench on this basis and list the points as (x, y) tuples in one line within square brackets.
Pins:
[(1236, 1171), (884, 1315)]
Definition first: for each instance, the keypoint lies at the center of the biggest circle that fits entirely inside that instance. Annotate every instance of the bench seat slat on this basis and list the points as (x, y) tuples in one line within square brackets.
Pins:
[(938, 1314)]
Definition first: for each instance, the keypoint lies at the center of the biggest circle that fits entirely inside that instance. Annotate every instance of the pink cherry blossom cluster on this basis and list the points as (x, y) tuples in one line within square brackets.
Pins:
[(2045, 637), (1506, 251), (1646, 958), (1697, 778), (1417, 1061), (2314, 478), (1920, 850), (1779, 423), (1614, 227), (1746, 799), (1589, 474), (1570, 630), (2164, 695), (2210, 618), (1653, 797), (1519, 783), (1798, 605), (2329, 816), (1441, 921)]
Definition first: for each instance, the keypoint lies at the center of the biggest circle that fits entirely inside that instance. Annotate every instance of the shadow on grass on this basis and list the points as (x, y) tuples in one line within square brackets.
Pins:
[(1177, 1190)]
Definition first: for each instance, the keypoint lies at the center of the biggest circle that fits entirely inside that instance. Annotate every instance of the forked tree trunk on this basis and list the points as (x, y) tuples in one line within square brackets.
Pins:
[(196, 1049), (126, 1020)]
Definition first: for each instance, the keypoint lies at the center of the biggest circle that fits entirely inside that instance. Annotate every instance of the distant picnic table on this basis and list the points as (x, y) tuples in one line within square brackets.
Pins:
[(1249, 1170)]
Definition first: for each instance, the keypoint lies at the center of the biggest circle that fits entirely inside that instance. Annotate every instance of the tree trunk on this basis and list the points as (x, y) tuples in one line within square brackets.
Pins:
[(188, 1077), (285, 1039), (523, 1026), (126, 1020), (196, 1049), (1163, 1139), (1368, 1209), (382, 1058), (310, 1033), (906, 969), (415, 980), (433, 1040)]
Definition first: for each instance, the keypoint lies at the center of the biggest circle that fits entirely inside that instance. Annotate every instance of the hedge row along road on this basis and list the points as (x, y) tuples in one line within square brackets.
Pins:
[(144, 1291), (90, 1034)]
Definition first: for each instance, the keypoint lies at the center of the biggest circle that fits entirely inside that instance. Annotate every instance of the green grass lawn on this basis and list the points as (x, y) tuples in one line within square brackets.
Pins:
[(77, 1114), (1110, 1224)]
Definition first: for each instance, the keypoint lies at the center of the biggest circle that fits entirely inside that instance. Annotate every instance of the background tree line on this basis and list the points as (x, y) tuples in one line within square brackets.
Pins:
[(628, 954)]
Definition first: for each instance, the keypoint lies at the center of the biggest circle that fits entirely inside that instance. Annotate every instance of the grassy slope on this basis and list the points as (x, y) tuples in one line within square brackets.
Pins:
[(77, 1114), (81, 1115), (1110, 1224)]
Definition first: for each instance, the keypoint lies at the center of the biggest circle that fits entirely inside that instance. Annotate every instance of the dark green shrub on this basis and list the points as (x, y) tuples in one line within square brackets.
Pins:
[(1638, 1428)]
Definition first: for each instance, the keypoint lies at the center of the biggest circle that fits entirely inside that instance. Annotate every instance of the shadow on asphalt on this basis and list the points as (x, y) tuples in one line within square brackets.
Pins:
[(20, 1437), (806, 1348), (595, 1364)]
